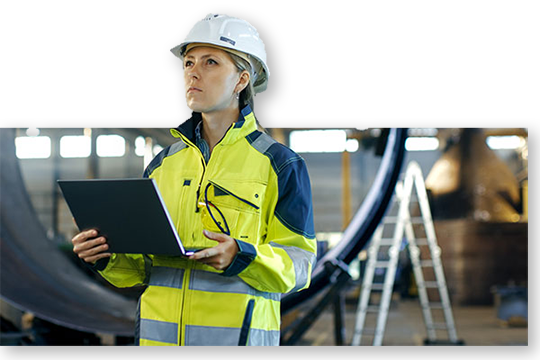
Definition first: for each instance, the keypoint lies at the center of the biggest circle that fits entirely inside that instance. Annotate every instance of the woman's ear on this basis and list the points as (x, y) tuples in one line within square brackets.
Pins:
[(243, 81)]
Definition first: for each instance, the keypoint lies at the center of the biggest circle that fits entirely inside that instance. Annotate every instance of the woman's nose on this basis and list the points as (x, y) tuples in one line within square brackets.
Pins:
[(192, 75), (193, 72)]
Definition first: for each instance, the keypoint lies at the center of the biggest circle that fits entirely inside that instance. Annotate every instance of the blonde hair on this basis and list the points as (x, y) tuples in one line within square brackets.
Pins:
[(246, 95)]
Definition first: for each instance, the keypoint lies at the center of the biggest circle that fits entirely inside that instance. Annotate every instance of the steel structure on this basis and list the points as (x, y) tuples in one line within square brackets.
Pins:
[(36, 277)]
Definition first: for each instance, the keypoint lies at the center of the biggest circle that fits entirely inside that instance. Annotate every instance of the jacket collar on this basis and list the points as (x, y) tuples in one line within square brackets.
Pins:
[(242, 127)]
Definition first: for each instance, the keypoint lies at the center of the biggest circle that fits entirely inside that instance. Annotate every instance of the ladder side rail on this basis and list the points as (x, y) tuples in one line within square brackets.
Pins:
[(435, 251), (404, 198), (365, 292), (414, 252)]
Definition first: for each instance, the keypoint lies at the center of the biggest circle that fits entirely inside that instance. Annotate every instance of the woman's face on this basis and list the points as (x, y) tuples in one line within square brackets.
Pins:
[(211, 79)]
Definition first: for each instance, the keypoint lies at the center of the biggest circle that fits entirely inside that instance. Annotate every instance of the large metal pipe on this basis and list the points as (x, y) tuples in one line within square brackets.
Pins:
[(365, 221), (36, 277)]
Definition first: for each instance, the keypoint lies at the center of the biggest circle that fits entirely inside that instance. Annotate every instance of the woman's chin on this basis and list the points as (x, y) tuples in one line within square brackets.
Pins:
[(196, 107)]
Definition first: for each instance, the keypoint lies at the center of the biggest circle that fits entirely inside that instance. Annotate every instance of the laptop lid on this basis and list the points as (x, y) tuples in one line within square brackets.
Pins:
[(130, 213)]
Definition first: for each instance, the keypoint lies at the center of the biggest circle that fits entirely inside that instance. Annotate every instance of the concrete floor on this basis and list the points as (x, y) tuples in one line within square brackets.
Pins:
[(475, 325)]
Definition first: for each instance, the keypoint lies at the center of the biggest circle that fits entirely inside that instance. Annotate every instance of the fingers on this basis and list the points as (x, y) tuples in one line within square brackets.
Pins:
[(90, 250), (213, 251), (81, 246), (83, 236), (217, 236), (93, 259), (219, 256), (90, 244), (215, 257), (206, 253)]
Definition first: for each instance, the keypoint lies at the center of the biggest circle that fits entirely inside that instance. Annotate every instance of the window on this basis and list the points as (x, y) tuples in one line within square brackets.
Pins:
[(75, 146), (110, 146), (320, 141), (33, 147), (505, 142), (421, 143)]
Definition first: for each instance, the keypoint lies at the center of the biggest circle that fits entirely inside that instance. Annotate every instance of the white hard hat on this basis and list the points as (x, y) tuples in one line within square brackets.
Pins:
[(231, 33)]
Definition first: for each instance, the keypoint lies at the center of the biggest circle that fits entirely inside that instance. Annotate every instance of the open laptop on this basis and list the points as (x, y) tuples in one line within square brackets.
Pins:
[(129, 213)]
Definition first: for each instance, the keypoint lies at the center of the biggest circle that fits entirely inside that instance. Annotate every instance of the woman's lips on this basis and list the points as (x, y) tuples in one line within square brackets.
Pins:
[(194, 89)]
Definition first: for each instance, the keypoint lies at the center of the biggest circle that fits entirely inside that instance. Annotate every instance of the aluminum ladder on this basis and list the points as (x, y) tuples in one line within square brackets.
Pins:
[(404, 231)]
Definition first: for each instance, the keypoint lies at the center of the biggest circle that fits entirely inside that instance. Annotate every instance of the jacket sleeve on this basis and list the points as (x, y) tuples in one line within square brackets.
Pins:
[(285, 259), (125, 270)]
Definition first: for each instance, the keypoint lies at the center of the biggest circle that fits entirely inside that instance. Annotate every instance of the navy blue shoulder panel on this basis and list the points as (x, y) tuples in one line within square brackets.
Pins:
[(294, 207)]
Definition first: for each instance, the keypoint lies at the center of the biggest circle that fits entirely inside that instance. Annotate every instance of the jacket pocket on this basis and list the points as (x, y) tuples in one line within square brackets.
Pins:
[(235, 206), (243, 195)]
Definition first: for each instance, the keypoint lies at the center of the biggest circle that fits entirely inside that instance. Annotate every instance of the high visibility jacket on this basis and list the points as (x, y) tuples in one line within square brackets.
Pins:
[(262, 191)]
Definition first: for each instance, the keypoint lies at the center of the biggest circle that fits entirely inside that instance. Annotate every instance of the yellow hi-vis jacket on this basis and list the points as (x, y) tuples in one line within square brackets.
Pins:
[(259, 190)]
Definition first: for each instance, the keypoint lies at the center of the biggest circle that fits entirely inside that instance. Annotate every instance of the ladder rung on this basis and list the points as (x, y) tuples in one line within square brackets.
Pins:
[(433, 305), (390, 219), (394, 219), (421, 242), (382, 264), (387, 241), (426, 263), (377, 286), (369, 331), (436, 305), (429, 284), (373, 309), (437, 326)]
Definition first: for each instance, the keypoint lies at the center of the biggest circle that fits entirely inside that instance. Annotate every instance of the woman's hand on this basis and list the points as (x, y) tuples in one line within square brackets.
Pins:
[(219, 256), (89, 248)]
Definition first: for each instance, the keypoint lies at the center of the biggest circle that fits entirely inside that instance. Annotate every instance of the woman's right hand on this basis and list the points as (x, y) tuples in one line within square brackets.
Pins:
[(89, 248)]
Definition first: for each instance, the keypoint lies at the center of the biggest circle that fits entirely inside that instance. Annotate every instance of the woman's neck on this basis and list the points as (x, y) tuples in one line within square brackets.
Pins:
[(216, 124)]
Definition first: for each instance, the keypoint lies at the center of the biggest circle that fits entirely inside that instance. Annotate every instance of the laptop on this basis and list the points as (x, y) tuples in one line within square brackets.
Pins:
[(129, 213)]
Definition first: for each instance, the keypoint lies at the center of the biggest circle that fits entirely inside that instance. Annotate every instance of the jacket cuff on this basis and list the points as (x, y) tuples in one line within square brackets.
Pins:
[(99, 265), (245, 255)]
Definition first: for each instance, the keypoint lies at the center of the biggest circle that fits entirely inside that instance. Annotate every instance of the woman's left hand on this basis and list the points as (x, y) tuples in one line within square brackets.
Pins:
[(219, 256)]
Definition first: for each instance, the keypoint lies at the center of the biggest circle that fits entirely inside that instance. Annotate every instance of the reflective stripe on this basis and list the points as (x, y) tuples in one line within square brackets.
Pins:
[(176, 147), (166, 276), (263, 142), (212, 282), (166, 332), (301, 260), (211, 336), (258, 337), (158, 160), (222, 336)]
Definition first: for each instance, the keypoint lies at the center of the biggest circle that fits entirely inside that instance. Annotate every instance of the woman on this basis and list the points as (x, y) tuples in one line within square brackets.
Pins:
[(232, 191)]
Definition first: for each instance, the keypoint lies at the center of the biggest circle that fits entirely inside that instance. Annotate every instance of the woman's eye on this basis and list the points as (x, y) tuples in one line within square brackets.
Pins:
[(188, 63), (211, 61)]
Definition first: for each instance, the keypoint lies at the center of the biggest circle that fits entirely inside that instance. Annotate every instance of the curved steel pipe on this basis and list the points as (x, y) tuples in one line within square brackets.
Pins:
[(364, 223), (36, 277)]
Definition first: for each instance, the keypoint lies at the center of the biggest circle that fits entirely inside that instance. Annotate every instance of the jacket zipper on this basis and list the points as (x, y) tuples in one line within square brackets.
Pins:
[(185, 284), (188, 142), (187, 272), (205, 166)]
